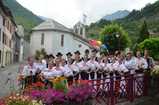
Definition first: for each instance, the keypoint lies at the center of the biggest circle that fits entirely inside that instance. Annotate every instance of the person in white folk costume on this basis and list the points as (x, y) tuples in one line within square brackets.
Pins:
[(58, 69), (93, 64), (120, 71), (39, 65), (104, 65), (29, 71), (141, 63), (101, 65), (130, 62), (68, 71), (76, 65), (47, 74), (141, 67), (84, 68)]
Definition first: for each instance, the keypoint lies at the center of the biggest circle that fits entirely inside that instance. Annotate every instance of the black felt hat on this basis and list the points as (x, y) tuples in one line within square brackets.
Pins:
[(51, 56), (59, 54), (86, 51), (69, 53), (94, 50), (77, 52)]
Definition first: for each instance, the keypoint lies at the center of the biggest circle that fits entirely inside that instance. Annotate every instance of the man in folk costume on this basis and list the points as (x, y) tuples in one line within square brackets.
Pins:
[(151, 64), (101, 63), (83, 66), (69, 57), (86, 55), (75, 66), (59, 55), (93, 64), (150, 60), (29, 72), (68, 71)]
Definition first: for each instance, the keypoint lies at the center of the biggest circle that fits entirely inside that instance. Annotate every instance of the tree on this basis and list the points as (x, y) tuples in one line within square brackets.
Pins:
[(114, 37), (143, 33), (152, 45)]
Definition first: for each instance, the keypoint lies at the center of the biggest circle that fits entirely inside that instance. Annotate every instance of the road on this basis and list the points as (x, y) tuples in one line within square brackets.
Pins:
[(8, 79)]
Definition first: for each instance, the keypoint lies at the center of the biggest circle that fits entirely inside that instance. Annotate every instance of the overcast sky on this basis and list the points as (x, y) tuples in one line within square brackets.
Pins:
[(68, 12)]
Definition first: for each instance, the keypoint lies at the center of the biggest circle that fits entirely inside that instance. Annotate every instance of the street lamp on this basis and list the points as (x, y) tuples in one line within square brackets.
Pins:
[(118, 37)]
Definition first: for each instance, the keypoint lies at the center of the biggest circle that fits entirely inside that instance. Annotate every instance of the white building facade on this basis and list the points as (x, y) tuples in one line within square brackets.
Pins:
[(54, 37), (1, 44), (7, 31)]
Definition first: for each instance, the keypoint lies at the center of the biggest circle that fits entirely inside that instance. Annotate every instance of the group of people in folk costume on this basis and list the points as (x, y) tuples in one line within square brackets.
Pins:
[(88, 67)]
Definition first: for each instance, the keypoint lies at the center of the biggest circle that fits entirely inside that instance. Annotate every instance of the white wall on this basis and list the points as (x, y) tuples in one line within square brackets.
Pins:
[(52, 43), (1, 27)]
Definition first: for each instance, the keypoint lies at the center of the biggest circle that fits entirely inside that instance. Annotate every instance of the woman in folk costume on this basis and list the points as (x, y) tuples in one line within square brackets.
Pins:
[(68, 71), (130, 62), (120, 70), (39, 65), (58, 70), (29, 72), (141, 63), (47, 74), (93, 64), (51, 59), (141, 67)]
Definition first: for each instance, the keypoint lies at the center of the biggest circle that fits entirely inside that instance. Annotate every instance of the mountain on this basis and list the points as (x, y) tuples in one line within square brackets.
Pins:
[(132, 22), (43, 18), (117, 15), (23, 16)]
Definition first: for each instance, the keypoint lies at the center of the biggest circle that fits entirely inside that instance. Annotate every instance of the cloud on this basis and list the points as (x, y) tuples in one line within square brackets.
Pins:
[(68, 12)]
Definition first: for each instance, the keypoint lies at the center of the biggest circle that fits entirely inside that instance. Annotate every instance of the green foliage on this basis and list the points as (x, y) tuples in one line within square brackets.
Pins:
[(143, 33), (109, 37), (23, 16), (151, 44), (40, 54), (93, 31), (133, 21)]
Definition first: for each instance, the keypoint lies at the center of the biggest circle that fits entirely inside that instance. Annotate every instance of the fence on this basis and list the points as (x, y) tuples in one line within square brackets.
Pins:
[(113, 90), (117, 89)]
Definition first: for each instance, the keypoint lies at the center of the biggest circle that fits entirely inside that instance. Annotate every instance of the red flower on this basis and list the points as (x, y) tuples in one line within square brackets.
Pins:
[(38, 84)]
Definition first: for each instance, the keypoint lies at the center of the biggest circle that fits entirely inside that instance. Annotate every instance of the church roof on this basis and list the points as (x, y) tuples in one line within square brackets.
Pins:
[(51, 24)]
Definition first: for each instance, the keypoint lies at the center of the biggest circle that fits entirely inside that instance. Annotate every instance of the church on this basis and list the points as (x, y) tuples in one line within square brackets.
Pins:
[(55, 37)]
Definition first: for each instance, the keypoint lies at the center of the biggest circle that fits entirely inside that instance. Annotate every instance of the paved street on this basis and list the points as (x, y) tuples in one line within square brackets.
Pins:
[(8, 79)]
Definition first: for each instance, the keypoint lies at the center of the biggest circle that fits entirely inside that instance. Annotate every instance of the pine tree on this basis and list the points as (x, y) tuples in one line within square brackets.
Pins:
[(143, 33)]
